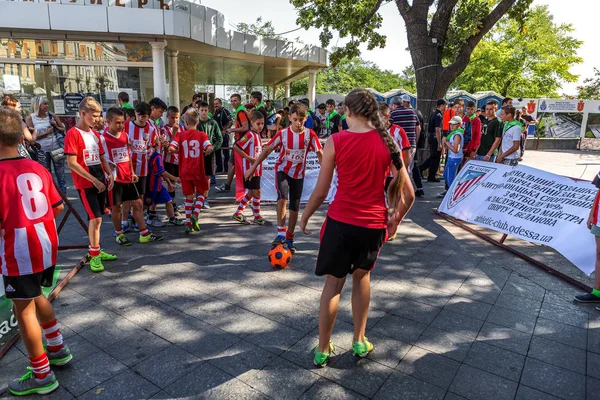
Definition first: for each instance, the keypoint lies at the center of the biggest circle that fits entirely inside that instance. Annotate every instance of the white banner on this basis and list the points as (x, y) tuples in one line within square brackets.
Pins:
[(526, 203), (267, 182)]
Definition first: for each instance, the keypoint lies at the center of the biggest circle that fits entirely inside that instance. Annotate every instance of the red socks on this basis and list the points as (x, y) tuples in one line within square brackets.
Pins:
[(40, 366), (53, 336), (94, 251)]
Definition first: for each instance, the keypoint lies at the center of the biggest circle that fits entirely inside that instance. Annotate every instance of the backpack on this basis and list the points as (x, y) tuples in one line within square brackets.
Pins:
[(272, 119), (317, 124)]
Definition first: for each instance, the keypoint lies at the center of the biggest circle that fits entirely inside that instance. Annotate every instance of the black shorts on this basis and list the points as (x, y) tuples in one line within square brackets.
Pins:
[(345, 248), (289, 186), (173, 169), (253, 183), (209, 160), (28, 286), (140, 185), (93, 201), (121, 193)]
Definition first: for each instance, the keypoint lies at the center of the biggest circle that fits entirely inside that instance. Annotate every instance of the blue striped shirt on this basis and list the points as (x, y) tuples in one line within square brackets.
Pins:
[(407, 119)]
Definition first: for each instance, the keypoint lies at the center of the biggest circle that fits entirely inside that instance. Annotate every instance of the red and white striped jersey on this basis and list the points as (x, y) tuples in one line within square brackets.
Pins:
[(28, 238), (399, 134), (171, 158), (252, 145), (140, 140), (294, 148), (116, 151)]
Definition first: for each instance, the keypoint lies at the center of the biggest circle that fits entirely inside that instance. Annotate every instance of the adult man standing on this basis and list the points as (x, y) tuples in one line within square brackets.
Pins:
[(405, 117), (223, 118), (506, 102), (434, 130), (511, 138), (529, 120), (195, 98), (491, 134)]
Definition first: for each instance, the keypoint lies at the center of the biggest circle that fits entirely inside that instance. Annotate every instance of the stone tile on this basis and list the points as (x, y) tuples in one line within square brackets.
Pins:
[(302, 354), (126, 385), (327, 390), (389, 351), (429, 367), (242, 360), (87, 318), (512, 319), (519, 303), (359, 374), (486, 294), (80, 348), (527, 393), (405, 387), (416, 311), (457, 323), (468, 307), (206, 341), (593, 342), (401, 329), (592, 387), (505, 338), (593, 365), (427, 296), (565, 313), (80, 377), (281, 379), (562, 333), (452, 396), (496, 360), (115, 330), (558, 354), (375, 315), (520, 286), (554, 380), (11, 355), (206, 382), (167, 366), (476, 384), (136, 349), (450, 345)]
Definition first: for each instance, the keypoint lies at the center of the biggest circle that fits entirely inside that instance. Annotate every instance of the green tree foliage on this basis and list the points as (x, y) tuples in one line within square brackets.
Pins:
[(259, 28), (529, 59), (590, 90)]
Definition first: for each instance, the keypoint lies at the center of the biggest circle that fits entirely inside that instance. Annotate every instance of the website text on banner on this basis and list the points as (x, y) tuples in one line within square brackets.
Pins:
[(526, 203)]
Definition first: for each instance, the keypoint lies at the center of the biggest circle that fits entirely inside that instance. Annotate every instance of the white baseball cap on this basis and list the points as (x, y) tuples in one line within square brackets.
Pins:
[(456, 120), (405, 98)]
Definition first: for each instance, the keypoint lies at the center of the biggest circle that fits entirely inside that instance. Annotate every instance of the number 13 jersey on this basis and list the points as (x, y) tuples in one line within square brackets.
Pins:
[(28, 239), (190, 146)]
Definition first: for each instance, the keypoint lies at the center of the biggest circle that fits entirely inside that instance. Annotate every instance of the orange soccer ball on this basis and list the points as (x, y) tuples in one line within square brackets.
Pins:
[(280, 256)]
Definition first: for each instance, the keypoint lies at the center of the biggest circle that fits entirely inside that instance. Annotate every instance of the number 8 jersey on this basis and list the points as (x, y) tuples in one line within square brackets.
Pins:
[(28, 238)]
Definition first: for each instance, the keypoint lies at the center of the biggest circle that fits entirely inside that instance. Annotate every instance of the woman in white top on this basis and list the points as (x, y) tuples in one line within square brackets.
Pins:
[(50, 136)]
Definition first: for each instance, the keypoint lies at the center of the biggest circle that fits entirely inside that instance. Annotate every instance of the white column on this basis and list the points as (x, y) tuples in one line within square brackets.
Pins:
[(274, 92), (158, 69), (287, 91), (312, 87), (173, 78)]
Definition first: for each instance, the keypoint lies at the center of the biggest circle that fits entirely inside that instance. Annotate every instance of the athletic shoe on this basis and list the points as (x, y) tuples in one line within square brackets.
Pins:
[(259, 221), (61, 357), (156, 223), (136, 227), (195, 223), (290, 245), (587, 298), (419, 193), (362, 349), (122, 240), (240, 218), (321, 359), (392, 237), (96, 264), (130, 219), (177, 214), (28, 384), (433, 180), (213, 180), (206, 205), (176, 221), (125, 226), (104, 256), (222, 188), (443, 194), (189, 229), (278, 240), (150, 238)]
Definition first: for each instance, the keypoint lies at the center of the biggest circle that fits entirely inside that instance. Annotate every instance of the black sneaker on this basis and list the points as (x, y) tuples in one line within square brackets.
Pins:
[(587, 298), (433, 180), (419, 193)]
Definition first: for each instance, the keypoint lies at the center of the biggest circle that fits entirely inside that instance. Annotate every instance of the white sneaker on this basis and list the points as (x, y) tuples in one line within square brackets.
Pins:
[(156, 223), (206, 205)]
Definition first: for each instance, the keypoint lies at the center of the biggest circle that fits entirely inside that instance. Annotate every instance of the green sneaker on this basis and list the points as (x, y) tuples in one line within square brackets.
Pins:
[(362, 349), (195, 223), (321, 359), (104, 256), (150, 238), (27, 384), (259, 221), (96, 264), (61, 357), (189, 230), (240, 218), (122, 241)]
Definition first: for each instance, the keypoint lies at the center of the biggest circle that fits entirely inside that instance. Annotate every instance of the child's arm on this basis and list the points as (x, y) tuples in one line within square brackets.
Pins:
[(170, 177), (320, 156), (79, 170), (590, 220), (261, 158), (108, 171), (454, 147)]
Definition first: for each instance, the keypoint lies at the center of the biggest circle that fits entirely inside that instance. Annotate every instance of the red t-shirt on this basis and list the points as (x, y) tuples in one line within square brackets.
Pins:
[(86, 146), (141, 138), (294, 148), (362, 161), (28, 239), (475, 134), (252, 145), (190, 146), (448, 114), (116, 151)]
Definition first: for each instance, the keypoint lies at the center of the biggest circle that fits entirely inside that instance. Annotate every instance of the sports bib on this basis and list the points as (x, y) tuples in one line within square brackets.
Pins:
[(295, 156), (120, 155), (139, 146), (91, 157)]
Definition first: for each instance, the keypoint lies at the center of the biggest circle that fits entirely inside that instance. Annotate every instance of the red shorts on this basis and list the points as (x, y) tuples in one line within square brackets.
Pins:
[(189, 188)]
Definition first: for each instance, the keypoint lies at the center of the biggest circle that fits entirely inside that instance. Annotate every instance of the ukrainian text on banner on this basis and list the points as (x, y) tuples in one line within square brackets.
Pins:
[(526, 203), (268, 180)]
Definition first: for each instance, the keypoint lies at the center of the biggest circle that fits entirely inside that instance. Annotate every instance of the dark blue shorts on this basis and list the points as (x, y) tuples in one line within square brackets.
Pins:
[(157, 197)]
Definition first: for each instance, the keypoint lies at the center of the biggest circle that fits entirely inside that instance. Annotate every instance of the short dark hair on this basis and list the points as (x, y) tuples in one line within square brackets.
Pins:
[(202, 104), (257, 95), (290, 103), (114, 112), (256, 115), (492, 103), (236, 95), (441, 102), (321, 106), (330, 102), (143, 108), (470, 104), (268, 101), (124, 97), (11, 130), (219, 100), (506, 100), (196, 96), (459, 101), (129, 112), (509, 110), (158, 103), (286, 109), (172, 109)]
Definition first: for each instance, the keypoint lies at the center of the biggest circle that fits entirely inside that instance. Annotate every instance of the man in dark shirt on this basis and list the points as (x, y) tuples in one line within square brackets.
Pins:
[(256, 100), (491, 134), (333, 121), (434, 131), (224, 120)]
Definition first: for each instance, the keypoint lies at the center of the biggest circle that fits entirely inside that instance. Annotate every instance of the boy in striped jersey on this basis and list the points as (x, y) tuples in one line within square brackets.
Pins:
[(28, 250), (293, 143)]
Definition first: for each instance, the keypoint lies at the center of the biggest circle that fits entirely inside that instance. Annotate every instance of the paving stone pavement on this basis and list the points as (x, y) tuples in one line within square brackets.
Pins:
[(452, 317)]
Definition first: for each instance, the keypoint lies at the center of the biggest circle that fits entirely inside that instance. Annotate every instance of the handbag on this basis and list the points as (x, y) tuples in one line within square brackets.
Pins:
[(57, 154)]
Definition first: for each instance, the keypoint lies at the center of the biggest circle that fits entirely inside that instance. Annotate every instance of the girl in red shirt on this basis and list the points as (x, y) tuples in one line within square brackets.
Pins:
[(357, 221)]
